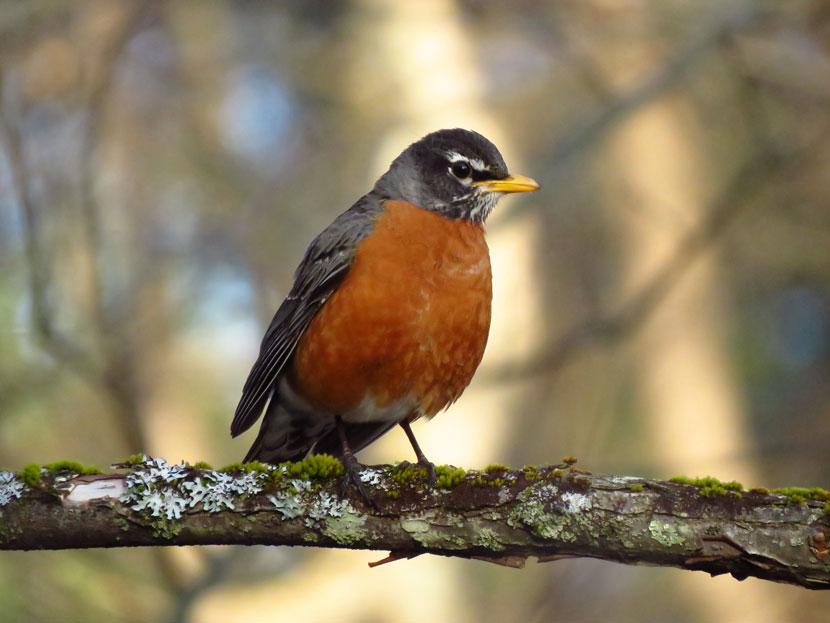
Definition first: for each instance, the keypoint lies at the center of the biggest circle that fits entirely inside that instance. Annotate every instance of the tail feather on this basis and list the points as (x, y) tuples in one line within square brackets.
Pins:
[(285, 435), (358, 435)]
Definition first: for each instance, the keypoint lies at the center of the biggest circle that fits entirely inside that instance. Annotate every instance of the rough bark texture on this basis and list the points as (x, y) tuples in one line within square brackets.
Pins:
[(497, 514)]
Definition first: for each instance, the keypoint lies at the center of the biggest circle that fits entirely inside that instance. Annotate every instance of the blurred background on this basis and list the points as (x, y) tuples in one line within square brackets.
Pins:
[(662, 306)]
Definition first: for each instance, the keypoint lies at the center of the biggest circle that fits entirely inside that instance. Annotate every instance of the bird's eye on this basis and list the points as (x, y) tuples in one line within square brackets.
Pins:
[(461, 170)]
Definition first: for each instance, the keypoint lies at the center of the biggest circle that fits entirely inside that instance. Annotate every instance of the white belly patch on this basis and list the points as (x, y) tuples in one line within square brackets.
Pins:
[(369, 411)]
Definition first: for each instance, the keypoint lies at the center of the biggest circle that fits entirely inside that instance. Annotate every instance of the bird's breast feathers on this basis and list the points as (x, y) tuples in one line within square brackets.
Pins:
[(405, 331)]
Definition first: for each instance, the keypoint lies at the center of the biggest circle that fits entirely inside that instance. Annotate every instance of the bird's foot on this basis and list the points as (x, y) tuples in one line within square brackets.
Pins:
[(353, 469), (422, 459), (427, 466)]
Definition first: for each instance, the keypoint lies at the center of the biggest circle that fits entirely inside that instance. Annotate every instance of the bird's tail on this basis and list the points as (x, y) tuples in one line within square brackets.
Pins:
[(285, 435), (358, 435)]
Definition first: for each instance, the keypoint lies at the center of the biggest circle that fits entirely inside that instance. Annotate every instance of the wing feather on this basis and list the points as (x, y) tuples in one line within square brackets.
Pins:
[(326, 263)]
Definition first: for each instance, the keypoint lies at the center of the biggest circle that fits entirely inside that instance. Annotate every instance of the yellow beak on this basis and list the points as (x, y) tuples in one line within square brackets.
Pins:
[(510, 184)]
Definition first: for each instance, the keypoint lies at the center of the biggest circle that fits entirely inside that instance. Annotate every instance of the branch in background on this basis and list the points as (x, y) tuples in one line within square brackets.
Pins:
[(110, 368), (765, 165), (58, 345), (747, 182), (105, 370), (118, 377), (497, 515), (590, 132)]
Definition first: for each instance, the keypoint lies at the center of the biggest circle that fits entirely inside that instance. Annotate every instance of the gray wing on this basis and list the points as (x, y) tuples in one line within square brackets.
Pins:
[(326, 263)]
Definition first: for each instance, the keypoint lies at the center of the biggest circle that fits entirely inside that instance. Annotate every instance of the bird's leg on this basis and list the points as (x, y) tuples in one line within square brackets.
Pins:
[(351, 464), (422, 460)]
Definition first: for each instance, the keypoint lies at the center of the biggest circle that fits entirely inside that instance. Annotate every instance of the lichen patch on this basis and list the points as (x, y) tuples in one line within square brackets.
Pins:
[(11, 487), (576, 502), (166, 491), (665, 533)]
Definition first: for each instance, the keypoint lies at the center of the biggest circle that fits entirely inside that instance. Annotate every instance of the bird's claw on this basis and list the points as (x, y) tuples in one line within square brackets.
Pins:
[(431, 475), (424, 464), (352, 476)]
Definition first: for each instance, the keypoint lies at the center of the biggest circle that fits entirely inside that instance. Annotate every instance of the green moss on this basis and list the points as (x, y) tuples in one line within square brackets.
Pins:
[(31, 475), (827, 508), (252, 466), (496, 468), (711, 487), (531, 473), (135, 459), (72, 466), (202, 465), (315, 467), (405, 474), (483, 480), (256, 467), (799, 495), (558, 473), (569, 460), (393, 494), (636, 488), (449, 476)]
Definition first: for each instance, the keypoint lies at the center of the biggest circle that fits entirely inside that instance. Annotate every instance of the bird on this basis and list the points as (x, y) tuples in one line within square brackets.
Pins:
[(389, 313)]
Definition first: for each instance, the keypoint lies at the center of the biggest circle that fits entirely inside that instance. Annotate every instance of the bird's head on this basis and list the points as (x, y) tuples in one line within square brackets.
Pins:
[(457, 173)]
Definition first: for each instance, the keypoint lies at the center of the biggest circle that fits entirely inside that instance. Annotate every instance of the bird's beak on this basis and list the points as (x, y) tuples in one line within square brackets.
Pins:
[(510, 184)]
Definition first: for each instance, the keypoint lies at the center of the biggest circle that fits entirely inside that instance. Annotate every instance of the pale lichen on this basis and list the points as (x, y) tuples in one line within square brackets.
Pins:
[(166, 491), (370, 476), (216, 491), (420, 529), (320, 510), (488, 538), (287, 504), (576, 502), (11, 487), (324, 505), (665, 533), (346, 528), (532, 511), (151, 486)]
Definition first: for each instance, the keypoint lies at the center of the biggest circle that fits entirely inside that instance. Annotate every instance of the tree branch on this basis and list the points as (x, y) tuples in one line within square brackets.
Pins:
[(497, 515), (751, 178)]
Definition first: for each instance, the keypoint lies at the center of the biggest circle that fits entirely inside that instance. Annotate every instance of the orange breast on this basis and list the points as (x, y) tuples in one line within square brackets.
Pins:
[(410, 319)]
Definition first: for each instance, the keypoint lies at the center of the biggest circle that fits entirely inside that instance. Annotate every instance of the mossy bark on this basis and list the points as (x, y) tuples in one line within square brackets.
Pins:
[(497, 514)]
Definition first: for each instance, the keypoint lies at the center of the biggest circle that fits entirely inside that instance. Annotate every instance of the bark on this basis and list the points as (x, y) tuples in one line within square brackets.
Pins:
[(498, 515)]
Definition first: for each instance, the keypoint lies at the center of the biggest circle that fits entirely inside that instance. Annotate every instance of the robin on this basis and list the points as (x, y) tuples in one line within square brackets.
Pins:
[(389, 313)]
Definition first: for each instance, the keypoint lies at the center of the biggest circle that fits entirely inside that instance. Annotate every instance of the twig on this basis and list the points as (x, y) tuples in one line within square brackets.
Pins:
[(755, 175), (589, 132)]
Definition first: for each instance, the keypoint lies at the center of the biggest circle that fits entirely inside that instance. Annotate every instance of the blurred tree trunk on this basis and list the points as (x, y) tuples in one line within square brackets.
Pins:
[(415, 68), (686, 383)]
